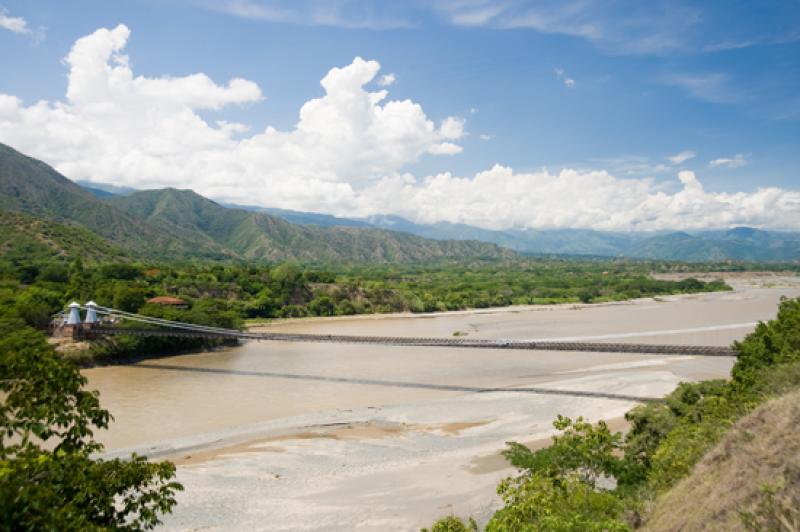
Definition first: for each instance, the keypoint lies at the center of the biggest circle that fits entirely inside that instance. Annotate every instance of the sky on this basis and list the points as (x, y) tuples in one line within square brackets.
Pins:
[(611, 115)]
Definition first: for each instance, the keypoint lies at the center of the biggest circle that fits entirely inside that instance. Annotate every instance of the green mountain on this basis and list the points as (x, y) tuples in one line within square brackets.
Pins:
[(740, 243), (257, 235), (24, 237), (174, 224), (30, 186)]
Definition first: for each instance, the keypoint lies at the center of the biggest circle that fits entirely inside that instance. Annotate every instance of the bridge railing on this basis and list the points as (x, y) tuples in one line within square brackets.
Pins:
[(164, 327)]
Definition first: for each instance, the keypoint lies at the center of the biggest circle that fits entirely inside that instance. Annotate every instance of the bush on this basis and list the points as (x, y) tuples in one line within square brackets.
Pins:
[(536, 503)]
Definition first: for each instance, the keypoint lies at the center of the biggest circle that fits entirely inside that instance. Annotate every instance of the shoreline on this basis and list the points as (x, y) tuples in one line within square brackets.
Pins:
[(508, 309)]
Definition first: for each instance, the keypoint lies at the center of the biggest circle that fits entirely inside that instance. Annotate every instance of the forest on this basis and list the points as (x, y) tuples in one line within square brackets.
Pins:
[(233, 295)]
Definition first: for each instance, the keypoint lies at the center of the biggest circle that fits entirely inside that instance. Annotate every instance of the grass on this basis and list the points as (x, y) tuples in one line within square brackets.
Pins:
[(761, 449)]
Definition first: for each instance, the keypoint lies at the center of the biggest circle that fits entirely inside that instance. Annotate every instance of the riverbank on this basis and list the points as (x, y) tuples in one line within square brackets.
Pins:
[(88, 354)]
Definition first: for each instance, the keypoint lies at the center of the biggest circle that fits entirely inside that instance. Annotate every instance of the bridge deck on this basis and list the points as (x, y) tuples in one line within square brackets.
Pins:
[(699, 350)]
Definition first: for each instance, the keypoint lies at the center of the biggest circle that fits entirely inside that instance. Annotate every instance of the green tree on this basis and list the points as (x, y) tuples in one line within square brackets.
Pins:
[(129, 298), (36, 305), (49, 479)]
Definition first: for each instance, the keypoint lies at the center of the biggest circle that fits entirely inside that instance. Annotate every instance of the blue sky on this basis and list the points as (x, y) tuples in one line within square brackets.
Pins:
[(616, 87)]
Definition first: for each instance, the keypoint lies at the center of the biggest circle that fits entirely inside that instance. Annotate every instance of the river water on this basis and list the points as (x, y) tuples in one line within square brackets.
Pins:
[(287, 411), (177, 396)]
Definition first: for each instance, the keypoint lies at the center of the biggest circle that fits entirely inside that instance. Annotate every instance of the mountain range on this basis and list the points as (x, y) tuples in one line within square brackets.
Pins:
[(738, 243), (182, 224)]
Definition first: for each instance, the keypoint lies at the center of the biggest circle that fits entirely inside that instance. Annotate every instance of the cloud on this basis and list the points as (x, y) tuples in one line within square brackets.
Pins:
[(19, 25), (347, 154), (147, 132), (737, 161), (620, 27), (484, 136), (387, 79), (568, 81), (682, 157), (500, 198), (452, 128)]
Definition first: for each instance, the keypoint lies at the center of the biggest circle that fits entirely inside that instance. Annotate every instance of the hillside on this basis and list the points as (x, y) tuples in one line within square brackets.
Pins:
[(24, 237), (762, 448), (30, 186), (256, 235), (173, 224)]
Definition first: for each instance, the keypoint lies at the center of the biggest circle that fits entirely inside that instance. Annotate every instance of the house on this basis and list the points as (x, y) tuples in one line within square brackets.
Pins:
[(168, 301)]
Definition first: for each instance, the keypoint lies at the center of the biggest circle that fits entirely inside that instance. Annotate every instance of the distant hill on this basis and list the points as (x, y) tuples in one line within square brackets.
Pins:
[(177, 224), (741, 243), (256, 235), (553, 241), (305, 218)]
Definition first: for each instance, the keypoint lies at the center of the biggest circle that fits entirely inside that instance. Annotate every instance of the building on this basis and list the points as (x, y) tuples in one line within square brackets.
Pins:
[(168, 301)]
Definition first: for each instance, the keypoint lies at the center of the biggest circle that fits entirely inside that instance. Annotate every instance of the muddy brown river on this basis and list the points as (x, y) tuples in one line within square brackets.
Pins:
[(359, 420)]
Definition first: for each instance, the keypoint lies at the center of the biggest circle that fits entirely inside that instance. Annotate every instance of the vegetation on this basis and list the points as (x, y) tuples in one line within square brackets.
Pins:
[(593, 479), (49, 478), (34, 287)]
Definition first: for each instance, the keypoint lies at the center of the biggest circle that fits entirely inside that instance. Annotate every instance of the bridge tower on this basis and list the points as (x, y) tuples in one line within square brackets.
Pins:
[(91, 313), (74, 317)]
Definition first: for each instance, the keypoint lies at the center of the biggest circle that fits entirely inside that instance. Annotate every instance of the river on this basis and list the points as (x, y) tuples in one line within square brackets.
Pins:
[(334, 436)]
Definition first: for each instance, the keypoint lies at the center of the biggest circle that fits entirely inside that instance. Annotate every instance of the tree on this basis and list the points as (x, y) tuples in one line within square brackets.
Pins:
[(559, 487), (48, 476), (36, 305)]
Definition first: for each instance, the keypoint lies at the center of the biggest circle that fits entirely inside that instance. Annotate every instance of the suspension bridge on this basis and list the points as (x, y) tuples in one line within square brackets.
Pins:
[(103, 321)]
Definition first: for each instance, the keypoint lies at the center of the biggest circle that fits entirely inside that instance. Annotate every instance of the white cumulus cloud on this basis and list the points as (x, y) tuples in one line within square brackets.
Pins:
[(146, 132), (500, 198), (347, 154)]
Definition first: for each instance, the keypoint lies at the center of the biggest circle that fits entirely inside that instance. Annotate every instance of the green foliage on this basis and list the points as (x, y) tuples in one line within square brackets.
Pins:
[(772, 343), (533, 502), (35, 306), (223, 295), (653, 422), (560, 487), (583, 451), (127, 272), (453, 524), (48, 476)]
